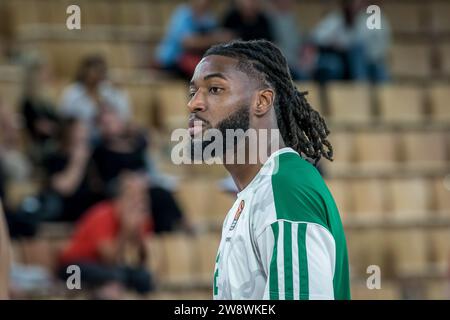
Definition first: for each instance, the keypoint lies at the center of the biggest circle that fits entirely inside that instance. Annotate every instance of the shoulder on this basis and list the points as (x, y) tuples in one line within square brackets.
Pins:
[(299, 191), (295, 192)]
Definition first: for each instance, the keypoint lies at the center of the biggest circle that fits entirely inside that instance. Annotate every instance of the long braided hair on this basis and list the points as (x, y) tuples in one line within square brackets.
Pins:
[(302, 128)]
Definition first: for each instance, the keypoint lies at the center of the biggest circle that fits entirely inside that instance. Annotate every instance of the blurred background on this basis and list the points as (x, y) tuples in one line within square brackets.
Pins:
[(86, 116)]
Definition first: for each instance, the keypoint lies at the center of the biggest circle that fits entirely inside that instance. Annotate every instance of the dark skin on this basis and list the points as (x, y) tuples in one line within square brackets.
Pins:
[(217, 90)]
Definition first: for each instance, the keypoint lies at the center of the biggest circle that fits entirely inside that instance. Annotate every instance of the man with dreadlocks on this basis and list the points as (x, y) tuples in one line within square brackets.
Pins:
[(283, 237)]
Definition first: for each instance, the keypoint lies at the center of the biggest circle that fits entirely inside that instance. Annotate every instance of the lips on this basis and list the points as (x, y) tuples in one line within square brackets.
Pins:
[(195, 126)]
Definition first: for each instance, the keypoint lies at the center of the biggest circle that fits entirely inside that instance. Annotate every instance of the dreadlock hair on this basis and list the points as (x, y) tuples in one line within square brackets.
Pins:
[(302, 128)]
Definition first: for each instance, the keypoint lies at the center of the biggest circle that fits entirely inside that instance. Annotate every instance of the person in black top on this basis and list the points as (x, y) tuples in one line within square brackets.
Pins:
[(70, 180), (120, 147), (39, 114), (123, 147), (247, 21)]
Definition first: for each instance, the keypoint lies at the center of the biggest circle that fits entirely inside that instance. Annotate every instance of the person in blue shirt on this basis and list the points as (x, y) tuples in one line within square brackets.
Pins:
[(192, 29)]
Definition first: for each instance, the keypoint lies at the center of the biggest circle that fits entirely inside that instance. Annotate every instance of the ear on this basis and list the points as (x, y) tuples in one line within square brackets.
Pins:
[(264, 102)]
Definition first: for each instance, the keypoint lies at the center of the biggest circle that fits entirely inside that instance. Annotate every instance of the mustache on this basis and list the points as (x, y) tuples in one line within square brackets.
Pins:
[(194, 117)]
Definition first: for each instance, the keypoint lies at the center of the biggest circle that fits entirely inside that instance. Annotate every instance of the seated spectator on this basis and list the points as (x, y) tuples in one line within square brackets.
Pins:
[(108, 243), (348, 49), (67, 169), (122, 147), (91, 91), (192, 30), (39, 113), (247, 20)]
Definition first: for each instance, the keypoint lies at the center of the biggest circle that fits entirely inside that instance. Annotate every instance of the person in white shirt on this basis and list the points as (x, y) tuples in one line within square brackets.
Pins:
[(91, 91), (349, 50)]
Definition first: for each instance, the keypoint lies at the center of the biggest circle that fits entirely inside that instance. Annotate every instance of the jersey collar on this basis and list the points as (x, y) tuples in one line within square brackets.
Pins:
[(266, 166)]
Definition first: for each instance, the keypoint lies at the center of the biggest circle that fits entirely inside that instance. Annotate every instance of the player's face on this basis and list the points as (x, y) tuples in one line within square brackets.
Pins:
[(220, 95)]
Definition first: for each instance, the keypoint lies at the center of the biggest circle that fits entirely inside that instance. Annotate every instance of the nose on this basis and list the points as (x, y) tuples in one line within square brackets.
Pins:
[(197, 102)]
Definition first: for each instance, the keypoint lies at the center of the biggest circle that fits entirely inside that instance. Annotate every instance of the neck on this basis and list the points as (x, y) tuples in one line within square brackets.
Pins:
[(243, 174)]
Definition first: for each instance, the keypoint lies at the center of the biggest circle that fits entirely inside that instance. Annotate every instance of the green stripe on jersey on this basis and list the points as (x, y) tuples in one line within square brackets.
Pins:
[(303, 262), (273, 273), (288, 273)]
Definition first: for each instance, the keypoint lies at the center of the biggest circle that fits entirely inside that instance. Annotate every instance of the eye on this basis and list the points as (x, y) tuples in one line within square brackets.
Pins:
[(191, 94), (215, 90)]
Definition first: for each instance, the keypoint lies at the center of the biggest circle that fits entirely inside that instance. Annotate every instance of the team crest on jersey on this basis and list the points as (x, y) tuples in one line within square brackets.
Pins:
[(238, 214)]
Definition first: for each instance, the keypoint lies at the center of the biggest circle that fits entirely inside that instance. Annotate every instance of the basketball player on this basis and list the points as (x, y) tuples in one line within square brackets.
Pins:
[(283, 237)]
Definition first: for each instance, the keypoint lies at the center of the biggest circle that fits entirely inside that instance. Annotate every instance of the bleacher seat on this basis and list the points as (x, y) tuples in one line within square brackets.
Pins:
[(349, 103), (440, 23), (425, 150), (366, 247), (204, 203), (10, 94), (444, 56), (340, 189), (440, 249), (344, 152), (309, 14), (25, 12), (193, 200), (172, 99), (156, 255), (98, 12), (409, 198), (140, 13), (400, 103), (409, 249), (404, 18), (179, 252), (368, 154), (441, 189), (440, 99), (369, 198), (412, 61), (141, 98), (206, 247)]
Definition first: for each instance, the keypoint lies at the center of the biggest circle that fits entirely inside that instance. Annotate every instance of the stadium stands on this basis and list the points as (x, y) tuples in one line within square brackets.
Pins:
[(390, 176)]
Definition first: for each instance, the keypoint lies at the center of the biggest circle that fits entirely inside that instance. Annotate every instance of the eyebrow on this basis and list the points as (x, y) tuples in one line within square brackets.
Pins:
[(209, 76)]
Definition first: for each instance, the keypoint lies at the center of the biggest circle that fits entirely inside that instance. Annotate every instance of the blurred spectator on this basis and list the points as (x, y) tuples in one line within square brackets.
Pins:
[(247, 20), (91, 91), (348, 49), (287, 36), (121, 147), (192, 29), (39, 113), (69, 181), (108, 243), (15, 165)]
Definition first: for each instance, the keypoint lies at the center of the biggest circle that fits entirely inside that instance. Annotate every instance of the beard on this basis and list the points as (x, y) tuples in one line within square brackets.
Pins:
[(240, 119)]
